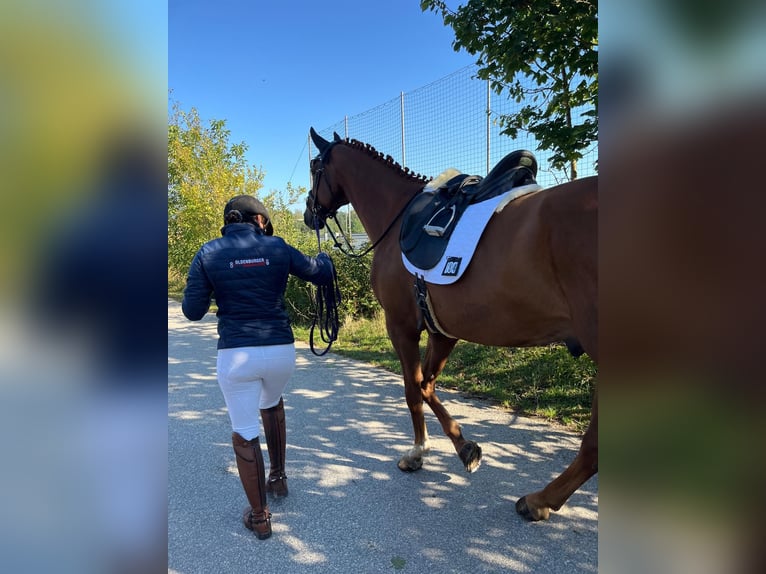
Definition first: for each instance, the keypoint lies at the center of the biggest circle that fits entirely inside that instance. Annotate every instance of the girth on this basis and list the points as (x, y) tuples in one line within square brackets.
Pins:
[(427, 315), (431, 216)]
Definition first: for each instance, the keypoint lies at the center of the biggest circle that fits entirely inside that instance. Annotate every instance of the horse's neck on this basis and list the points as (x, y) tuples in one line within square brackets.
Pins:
[(378, 193)]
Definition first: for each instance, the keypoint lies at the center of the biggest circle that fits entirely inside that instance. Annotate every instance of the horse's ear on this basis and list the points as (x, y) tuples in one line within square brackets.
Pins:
[(319, 141), (336, 137)]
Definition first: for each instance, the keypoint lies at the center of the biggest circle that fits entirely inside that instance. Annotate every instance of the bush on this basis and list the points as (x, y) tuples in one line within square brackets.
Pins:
[(176, 282), (358, 299), (353, 275)]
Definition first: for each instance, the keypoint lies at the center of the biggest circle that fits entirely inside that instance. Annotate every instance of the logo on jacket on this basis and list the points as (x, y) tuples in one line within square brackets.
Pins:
[(257, 262)]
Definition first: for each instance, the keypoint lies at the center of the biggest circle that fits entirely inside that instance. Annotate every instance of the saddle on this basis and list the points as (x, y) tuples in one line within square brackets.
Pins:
[(430, 219)]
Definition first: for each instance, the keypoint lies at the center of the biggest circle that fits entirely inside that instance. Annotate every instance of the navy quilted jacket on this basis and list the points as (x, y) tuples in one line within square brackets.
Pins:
[(247, 273)]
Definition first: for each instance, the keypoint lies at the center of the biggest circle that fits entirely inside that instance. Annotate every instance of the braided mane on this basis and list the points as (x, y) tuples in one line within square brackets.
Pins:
[(388, 160)]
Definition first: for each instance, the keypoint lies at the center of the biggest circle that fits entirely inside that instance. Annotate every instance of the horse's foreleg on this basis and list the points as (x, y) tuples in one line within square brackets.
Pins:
[(538, 505), (406, 346), (439, 348), (413, 459)]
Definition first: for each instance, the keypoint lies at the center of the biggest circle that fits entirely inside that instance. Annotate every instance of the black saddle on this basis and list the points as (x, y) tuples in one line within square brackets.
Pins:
[(431, 217)]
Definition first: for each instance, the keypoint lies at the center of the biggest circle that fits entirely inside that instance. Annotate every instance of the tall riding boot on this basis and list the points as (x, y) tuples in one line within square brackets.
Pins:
[(252, 474), (276, 441)]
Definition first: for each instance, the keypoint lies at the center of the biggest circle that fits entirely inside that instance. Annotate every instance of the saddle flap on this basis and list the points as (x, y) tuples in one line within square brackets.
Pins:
[(414, 219), (429, 223)]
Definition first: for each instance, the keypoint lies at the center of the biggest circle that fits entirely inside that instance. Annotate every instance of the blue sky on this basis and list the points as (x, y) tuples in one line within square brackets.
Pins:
[(274, 69)]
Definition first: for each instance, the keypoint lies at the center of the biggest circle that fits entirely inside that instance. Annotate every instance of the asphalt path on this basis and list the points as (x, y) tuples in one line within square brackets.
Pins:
[(350, 509)]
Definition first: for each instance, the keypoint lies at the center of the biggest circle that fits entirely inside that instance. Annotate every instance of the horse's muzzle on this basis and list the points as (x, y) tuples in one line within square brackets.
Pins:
[(312, 220)]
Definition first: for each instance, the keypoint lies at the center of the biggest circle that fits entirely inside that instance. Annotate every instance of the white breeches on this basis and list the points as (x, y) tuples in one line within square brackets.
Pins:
[(251, 379)]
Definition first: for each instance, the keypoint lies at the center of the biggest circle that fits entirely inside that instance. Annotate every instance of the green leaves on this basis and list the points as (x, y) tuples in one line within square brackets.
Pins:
[(545, 54), (204, 171)]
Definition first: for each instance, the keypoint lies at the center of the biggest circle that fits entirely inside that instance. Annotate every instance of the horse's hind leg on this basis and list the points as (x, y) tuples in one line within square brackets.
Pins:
[(439, 348), (537, 506)]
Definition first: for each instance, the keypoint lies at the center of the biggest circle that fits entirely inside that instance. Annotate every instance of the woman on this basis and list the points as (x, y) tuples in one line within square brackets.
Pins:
[(246, 270)]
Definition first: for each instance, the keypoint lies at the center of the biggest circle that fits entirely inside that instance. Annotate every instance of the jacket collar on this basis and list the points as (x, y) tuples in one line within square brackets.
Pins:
[(230, 228)]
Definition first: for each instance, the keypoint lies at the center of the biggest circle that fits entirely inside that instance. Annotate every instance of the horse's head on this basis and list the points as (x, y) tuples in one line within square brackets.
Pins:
[(324, 198)]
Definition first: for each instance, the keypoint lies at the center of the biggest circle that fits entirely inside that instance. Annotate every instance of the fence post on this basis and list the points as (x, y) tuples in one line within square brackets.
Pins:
[(489, 122), (401, 111)]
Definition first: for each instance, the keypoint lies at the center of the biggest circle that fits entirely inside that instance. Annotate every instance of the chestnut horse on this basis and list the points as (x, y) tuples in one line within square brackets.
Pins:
[(532, 281)]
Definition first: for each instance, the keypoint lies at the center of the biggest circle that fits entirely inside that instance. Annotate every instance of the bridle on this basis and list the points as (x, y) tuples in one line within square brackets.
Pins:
[(321, 214), (328, 297)]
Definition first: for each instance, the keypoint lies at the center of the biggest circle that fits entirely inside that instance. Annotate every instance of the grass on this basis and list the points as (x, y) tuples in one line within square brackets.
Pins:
[(540, 381)]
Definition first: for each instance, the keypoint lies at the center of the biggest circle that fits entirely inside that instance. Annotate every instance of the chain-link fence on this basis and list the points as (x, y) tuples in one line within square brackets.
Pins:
[(452, 122)]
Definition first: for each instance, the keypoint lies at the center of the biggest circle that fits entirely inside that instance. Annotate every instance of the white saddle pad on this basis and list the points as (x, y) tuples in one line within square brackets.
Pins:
[(465, 237)]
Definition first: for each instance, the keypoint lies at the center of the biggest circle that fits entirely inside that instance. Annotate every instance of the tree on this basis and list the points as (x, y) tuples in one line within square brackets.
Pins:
[(545, 53), (204, 171)]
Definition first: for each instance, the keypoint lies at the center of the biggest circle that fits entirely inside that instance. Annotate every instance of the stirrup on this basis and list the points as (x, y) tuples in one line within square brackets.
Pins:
[(439, 230)]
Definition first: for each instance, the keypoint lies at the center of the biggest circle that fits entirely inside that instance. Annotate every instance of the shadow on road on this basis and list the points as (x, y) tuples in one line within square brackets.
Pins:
[(350, 508)]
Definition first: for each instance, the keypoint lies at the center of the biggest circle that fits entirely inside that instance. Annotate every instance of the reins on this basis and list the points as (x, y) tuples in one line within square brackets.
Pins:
[(332, 214), (325, 308), (350, 252)]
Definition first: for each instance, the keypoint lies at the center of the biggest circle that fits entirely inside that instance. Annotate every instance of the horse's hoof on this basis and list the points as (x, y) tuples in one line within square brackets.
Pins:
[(533, 514), (410, 464), (470, 454)]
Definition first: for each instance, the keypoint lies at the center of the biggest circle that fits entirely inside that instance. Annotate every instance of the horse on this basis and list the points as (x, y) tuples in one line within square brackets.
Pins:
[(532, 282)]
